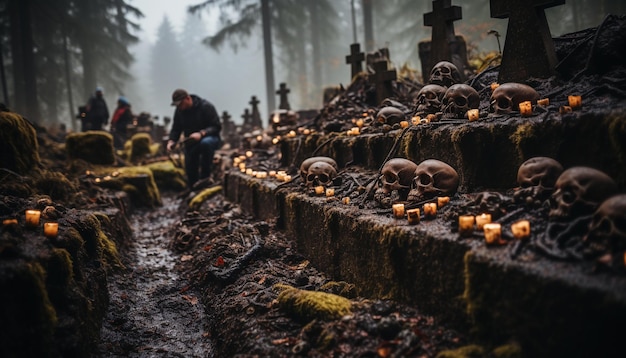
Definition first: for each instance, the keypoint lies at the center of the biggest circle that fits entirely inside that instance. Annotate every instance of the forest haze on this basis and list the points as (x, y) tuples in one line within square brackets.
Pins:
[(55, 52)]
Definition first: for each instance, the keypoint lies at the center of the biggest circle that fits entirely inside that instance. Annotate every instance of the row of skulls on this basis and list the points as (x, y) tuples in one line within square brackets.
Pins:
[(444, 93)]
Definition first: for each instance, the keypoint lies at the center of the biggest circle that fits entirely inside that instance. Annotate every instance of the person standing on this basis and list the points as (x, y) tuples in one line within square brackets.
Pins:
[(97, 112), (122, 117), (198, 120)]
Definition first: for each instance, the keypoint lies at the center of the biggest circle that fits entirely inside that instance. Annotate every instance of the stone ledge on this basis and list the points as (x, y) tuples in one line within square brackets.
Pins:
[(549, 307)]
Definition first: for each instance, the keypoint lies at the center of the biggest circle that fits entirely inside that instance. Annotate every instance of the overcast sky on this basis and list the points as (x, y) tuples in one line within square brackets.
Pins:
[(155, 10)]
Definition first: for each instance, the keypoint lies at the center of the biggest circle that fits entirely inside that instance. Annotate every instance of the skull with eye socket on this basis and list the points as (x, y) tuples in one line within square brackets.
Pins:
[(606, 239), (493, 203), (318, 171), (395, 181), (459, 99), (507, 97), (445, 74), (429, 99), (536, 178), (433, 178), (389, 115)]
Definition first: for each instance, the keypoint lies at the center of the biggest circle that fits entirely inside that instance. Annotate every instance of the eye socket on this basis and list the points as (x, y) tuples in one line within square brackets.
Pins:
[(424, 179), (568, 197), (390, 178), (430, 95), (504, 103), (310, 177), (323, 178), (460, 101)]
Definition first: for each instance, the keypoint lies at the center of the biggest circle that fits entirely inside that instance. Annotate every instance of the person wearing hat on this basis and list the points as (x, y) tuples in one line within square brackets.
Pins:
[(198, 120), (122, 117), (97, 112)]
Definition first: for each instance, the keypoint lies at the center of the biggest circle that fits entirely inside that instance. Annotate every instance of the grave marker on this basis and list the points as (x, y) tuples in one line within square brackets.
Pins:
[(355, 59), (282, 91), (255, 121), (382, 78), (528, 48)]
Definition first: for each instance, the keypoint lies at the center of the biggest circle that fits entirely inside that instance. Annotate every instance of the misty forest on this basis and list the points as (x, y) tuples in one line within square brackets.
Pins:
[(55, 52)]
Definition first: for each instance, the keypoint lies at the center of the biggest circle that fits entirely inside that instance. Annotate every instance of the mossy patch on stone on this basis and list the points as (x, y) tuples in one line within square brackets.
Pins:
[(18, 144), (310, 305), (140, 147), (204, 195), (95, 147), (469, 351), (137, 181), (167, 176)]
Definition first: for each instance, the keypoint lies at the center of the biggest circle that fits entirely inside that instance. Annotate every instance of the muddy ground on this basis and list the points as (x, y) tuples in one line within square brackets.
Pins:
[(203, 284)]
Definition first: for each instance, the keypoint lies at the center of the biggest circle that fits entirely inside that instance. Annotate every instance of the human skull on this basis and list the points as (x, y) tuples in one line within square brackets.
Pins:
[(389, 115), (433, 178), (320, 173), (429, 98), (444, 74), (493, 203), (507, 97), (397, 174), (304, 166), (536, 178), (579, 191), (459, 99), (607, 230)]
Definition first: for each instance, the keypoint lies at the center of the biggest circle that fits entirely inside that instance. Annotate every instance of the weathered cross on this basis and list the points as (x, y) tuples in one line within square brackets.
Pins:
[(441, 19), (256, 116), (226, 123), (355, 58), (382, 78), (247, 118), (528, 48), (284, 102)]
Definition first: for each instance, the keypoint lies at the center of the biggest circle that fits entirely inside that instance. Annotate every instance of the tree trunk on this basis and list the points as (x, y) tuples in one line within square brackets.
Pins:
[(317, 48), (68, 81), (368, 25), (19, 97), (269, 57)]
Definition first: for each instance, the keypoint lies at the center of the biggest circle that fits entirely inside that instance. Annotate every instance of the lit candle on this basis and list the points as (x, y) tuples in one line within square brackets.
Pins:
[(575, 101), (346, 200), (242, 166), (261, 175), (526, 108), (416, 120), (319, 190), (493, 233), (521, 229), (275, 140), (404, 124), (330, 192), (482, 219), (236, 161), (287, 178), (442, 200), (544, 102), (50, 230), (32, 217), (9, 222), (494, 85), (272, 173), (242, 157), (413, 215), (466, 225), (291, 134), (249, 171), (430, 210), (306, 131), (473, 115), (398, 210), (359, 123), (249, 153)]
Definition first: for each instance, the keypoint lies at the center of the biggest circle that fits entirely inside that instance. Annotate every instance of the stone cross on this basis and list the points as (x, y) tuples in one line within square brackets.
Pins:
[(284, 102), (441, 19), (226, 123), (528, 48), (247, 118), (355, 58), (382, 79), (255, 121)]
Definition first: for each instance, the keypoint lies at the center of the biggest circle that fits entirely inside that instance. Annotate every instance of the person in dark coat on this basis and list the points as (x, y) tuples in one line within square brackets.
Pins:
[(122, 117), (198, 120), (97, 112)]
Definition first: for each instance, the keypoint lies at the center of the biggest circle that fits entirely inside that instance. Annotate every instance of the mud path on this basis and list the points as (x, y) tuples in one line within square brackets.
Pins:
[(151, 312)]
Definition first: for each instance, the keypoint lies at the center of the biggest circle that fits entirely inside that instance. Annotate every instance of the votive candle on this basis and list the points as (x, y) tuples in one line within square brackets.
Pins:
[(466, 225), (521, 229), (50, 229), (413, 216), (398, 210), (32, 217), (481, 220), (430, 210), (493, 233)]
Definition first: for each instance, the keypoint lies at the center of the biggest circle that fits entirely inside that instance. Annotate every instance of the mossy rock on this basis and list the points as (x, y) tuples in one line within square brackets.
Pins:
[(197, 200), (167, 176), (141, 147), (56, 185), (138, 182), (18, 144), (310, 305), (95, 147)]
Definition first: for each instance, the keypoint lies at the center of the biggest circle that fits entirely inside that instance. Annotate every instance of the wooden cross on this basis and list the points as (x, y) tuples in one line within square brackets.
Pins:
[(382, 78), (355, 58), (255, 121), (441, 19), (528, 48), (284, 103)]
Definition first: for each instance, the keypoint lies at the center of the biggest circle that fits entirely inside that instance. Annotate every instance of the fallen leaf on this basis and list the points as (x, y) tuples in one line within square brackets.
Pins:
[(219, 262)]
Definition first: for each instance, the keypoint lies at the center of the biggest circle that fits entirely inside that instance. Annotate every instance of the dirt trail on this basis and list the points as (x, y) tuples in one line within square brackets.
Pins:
[(151, 314)]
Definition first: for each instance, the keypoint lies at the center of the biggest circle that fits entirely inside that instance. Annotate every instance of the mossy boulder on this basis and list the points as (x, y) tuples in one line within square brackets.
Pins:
[(197, 200), (140, 147), (167, 176), (310, 305), (18, 144), (138, 182), (95, 147)]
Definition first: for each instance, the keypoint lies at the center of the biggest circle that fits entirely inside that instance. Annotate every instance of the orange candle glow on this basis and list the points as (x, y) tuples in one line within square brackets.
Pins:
[(9, 222), (413, 216), (50, 230), (430, 210), (473, 115), (575, 101), (319, 190), (32, 217), (398, 210), (521, 229), (526, 108), (330, 192), (481, 220), (466, 225), (493, 233), (442, 201)]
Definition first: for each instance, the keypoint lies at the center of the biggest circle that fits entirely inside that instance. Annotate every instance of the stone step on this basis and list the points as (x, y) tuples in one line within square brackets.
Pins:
[(551, 308)]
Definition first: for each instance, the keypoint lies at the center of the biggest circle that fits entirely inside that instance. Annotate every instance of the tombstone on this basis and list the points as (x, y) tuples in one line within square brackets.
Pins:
[(355, 59), (282, 91), (227, 125), (378, 55), (247, 121), (445, 45), (256, 115), (528, 48), (382, 78)]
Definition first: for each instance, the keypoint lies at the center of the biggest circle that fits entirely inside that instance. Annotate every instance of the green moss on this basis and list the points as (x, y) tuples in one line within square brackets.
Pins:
[(56, 185), (309, 305), (469, 351), (95, 147), (167, 176), (204, 195), (18, 144), (97, 244), (140, 147), (137, 181), (511, 350), (523, 133)]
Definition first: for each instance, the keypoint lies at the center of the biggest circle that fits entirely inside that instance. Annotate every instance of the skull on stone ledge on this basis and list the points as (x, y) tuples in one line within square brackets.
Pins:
[(507, 97), (579, 192), (459, 99), (607, 230), (536, 178), (433, 178), (323, 172), (429, 99), (389, 115), (395, 181), (445, 74)]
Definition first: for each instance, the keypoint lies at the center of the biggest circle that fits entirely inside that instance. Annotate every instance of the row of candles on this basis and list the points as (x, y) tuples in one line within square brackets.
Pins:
[(492, 231), (50, 229), (413, 215)]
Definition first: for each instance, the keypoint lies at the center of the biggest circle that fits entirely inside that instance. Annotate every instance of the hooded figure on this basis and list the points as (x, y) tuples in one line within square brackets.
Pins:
[(97, 114), (122, 117)]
